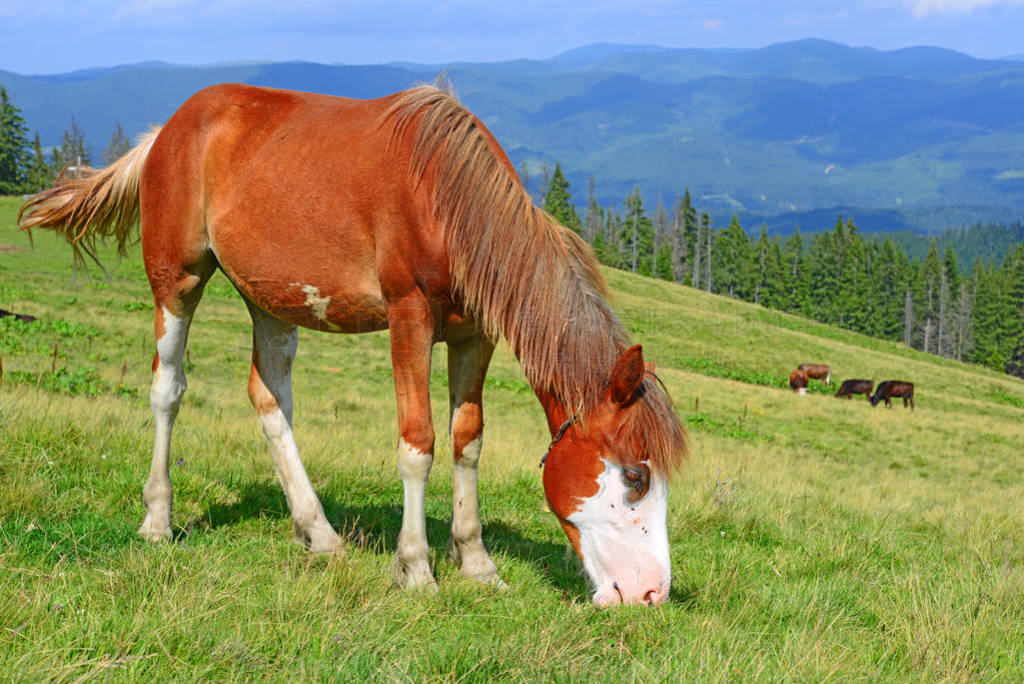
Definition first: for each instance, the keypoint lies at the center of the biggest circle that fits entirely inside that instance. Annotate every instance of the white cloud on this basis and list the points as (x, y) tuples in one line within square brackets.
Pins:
[(712, 24), (923, 8)]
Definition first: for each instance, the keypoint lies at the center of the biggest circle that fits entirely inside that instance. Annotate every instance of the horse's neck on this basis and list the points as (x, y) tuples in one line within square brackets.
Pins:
[(554, 409)]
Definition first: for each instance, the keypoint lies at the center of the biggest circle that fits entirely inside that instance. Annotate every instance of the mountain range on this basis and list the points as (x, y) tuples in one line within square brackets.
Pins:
[(920, 138)]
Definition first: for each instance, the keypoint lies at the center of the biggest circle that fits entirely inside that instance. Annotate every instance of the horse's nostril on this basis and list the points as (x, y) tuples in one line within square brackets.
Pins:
[(650, 597)]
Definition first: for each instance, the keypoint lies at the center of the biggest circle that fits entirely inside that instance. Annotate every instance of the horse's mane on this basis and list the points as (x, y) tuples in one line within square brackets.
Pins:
[(522, 275)]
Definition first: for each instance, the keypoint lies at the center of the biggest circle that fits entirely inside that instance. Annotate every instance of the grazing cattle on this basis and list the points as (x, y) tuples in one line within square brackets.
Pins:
[(894, 388), (798, 381), (820, 371), (851, 387), (399, 213)]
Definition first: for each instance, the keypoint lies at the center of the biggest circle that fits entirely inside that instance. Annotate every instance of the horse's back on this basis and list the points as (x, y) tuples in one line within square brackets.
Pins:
[(292, 192)]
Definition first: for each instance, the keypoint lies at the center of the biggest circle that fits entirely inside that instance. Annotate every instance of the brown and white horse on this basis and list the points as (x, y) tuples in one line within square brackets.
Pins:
[(403, 213)]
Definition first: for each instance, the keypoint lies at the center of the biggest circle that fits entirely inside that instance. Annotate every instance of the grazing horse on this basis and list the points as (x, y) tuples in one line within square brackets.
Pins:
[(851, 387), (403, 213), (819, 371), (893, 388), (798, 381)]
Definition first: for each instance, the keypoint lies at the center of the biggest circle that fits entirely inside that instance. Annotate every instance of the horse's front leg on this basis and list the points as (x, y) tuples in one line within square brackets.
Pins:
[(467, 366), (412, 336)]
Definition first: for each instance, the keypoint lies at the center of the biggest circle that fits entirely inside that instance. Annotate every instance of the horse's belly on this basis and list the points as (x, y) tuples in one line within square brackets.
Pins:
[(318, 304)]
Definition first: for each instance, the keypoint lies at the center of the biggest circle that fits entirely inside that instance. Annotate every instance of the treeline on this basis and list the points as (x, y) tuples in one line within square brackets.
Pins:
[(26, 168), (835, 276)]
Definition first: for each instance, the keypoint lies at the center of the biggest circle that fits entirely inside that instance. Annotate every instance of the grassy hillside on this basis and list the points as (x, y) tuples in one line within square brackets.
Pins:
[(812, 538)]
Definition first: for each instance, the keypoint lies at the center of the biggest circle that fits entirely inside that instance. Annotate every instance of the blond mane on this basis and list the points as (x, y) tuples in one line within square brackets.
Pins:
[(522, 275)]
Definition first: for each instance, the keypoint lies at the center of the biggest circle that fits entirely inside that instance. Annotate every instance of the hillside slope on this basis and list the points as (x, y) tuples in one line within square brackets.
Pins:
[(812, 538)]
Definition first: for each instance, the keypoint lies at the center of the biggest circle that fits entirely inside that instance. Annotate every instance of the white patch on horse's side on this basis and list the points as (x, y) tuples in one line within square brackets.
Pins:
[(625, 546), (317, 303)]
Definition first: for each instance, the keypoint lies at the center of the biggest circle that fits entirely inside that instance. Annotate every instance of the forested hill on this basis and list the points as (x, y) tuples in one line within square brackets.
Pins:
[(780, 130), (934, 301)]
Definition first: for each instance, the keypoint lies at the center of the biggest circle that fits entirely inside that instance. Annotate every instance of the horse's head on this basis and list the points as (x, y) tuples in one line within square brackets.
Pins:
[(606, 478)]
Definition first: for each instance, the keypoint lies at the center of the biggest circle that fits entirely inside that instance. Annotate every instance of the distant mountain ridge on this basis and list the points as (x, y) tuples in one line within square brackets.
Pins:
[(764, 133)]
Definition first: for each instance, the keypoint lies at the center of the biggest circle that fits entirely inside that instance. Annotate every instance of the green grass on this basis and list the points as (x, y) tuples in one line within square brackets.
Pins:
[(812, 538)]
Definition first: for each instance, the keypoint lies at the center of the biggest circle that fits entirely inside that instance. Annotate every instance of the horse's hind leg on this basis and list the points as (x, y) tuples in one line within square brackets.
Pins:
[(467, 366), (270, 390), (175, 302)]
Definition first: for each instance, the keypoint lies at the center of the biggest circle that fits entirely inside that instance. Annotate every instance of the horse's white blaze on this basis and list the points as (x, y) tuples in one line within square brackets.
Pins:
[(625, 546), (317, 303), (413, 552), (802, 391)]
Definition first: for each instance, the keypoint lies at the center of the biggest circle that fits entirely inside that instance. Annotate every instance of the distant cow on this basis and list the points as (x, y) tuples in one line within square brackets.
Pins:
[(798, 381), (851, 387), (894, 388), (820, 371)]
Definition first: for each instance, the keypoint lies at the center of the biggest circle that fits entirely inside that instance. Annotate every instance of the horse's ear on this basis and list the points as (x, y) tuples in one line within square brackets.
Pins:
[(649, 367), (627, 375)]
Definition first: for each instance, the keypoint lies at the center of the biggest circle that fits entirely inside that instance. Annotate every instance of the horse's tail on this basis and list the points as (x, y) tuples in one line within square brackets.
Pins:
[(93, 206)]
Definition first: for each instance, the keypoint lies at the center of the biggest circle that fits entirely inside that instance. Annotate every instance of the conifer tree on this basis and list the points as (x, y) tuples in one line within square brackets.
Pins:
[(558, 201), (14, 159), (73, 152), (732, 261), (117, 147), (761, 266), (40, 174), (593, 221), (637, 236)]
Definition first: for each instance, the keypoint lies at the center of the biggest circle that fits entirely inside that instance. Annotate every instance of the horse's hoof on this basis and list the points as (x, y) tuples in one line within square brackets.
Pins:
[(493, 581), (409, 577), (155, 532), (322, 542)]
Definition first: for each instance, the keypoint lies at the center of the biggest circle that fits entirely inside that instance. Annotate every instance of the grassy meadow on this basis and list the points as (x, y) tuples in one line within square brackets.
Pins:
[(812, 539)]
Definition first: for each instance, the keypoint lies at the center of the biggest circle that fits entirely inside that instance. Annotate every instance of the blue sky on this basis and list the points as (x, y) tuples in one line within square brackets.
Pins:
[(46, 36)]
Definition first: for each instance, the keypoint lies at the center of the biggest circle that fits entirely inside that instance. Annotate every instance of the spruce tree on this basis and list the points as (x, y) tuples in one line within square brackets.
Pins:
[(40, 173), (14, 149), (593, 222), (558, 201), (117, 147)]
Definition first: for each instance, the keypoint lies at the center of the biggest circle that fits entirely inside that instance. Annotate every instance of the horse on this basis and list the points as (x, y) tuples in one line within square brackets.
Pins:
[(399, 213), (894, 388), (819, 371), (798, 381), (851, 387)]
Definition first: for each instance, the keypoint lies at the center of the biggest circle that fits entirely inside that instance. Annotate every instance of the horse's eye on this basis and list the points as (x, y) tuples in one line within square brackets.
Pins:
[(637, 479)]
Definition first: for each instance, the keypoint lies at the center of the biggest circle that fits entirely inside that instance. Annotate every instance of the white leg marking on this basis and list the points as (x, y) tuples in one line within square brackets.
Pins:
[(164, 398), (466, 545), (625, 546), (276, 343), (412, 564)]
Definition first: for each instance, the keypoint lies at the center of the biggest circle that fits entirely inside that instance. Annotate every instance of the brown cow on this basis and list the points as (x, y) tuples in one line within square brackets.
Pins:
[(798, 381), (894, 388), (851, 387), (821, 371)]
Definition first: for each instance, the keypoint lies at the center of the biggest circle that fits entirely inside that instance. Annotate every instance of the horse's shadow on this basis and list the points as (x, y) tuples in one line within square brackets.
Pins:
[(375, 527)]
